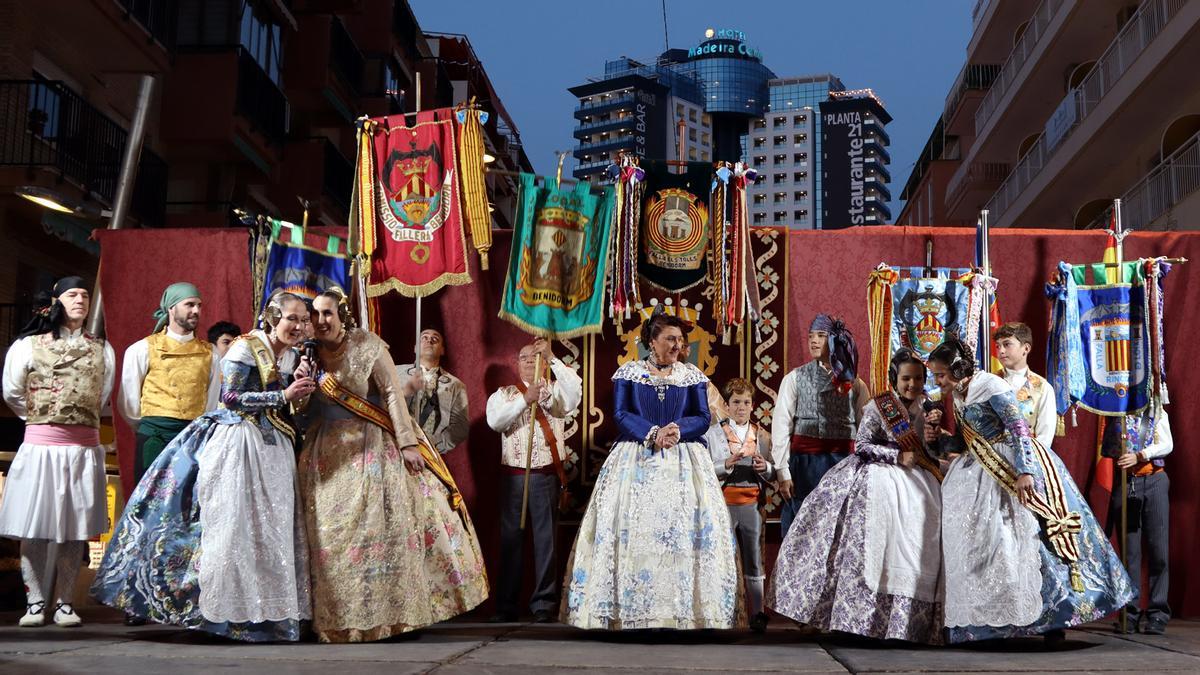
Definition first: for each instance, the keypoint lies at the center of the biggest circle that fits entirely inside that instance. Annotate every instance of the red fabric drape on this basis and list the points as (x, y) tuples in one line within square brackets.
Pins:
[(827, 272)]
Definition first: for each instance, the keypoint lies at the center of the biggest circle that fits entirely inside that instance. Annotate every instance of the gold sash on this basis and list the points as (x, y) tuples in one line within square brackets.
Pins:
[(895, 415), (1059, 524), (372, 413)]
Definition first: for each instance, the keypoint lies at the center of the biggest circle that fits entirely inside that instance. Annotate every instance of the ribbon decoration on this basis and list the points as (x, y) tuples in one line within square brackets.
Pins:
[(627, 215), (470, 170)]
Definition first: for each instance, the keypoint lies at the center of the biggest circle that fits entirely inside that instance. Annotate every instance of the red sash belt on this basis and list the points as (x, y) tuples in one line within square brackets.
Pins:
[(809, 445), (62, 434), (520, 470)]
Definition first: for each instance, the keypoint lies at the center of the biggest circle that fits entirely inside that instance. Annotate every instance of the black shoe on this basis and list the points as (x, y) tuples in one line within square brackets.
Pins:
[(758, 622), (1155, 626), (503, 617), (134, 620), (543, 616)]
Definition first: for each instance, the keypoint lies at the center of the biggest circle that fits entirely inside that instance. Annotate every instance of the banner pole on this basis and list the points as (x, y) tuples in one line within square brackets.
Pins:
[(1119, 235), (985, 260), (417, 326)]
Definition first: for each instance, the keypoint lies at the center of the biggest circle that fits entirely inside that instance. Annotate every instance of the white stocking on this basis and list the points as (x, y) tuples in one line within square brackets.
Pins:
[(70, 556), (33, 568), (754, 595)]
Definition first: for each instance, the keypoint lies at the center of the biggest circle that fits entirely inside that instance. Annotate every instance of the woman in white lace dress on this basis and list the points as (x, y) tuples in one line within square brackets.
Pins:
[(213, 536), (1023, 554), (655, 548)]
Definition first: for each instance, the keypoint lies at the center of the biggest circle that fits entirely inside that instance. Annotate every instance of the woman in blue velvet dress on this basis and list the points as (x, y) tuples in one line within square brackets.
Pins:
[(1023, 554), (213, 536), (655, 548)]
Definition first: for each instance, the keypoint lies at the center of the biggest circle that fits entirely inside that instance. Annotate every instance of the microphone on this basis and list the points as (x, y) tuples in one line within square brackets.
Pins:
[(929, 405), (310, 350)]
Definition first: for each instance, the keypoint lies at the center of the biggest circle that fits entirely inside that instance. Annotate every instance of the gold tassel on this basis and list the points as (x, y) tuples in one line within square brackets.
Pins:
[(474, 188), (1060, 429), (1076, 579)]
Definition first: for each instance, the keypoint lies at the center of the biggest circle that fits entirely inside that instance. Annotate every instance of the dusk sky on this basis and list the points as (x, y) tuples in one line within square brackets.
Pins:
[(908, 52)]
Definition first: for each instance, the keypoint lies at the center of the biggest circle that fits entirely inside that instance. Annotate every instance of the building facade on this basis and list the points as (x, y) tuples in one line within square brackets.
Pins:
[(1061, 107), (254, 109), (722, 103)]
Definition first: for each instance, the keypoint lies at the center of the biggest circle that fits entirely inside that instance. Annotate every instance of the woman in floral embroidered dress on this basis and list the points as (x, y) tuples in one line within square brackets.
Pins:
[(1011, 572), (212, 538), (864, 554), (655, 548), (389, 554)]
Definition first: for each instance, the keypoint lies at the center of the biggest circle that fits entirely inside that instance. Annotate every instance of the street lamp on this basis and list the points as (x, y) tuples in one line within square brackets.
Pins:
[(57, 201)]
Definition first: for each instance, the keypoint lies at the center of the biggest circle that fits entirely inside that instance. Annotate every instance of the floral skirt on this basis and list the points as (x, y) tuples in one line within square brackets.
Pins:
[(655, 548), (388, 553), (821, 574), (211, 538)]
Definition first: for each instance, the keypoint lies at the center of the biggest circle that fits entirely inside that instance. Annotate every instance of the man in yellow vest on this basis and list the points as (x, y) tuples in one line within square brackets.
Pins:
[(169, 378)]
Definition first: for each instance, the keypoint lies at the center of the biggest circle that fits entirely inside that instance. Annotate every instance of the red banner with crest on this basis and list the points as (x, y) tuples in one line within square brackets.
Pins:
[(409, 204)]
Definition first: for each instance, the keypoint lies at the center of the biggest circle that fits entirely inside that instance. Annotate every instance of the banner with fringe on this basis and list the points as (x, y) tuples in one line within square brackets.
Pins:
[(559, 260)]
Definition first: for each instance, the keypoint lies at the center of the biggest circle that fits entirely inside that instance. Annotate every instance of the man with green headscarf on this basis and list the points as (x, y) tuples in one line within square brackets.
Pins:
[(169, 378)]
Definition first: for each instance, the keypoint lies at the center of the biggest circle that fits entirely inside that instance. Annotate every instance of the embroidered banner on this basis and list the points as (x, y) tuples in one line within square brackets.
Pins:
[(675, 227), (916, 308), (408, 204), (558, 263), (296, 268)]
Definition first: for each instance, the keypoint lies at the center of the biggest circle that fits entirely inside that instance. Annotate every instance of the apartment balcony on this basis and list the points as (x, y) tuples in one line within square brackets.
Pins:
[(600, 106), (591, 128), (1042, 26), (204, 118), (995, 25), (1116, 112), (968, 90), (971, 186), (624, 143), (1170, 190), (326, 73), (50, 135)]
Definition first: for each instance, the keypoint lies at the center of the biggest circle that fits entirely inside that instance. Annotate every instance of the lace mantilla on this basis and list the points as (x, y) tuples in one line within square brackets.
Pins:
[(682, 375)]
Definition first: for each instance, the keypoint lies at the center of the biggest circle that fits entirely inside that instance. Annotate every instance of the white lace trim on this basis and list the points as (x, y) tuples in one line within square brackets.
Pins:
[(682, 375)]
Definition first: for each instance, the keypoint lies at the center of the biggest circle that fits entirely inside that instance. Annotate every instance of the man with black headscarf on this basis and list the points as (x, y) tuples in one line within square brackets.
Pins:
[(57, 378), (169, 378), (816, 413)]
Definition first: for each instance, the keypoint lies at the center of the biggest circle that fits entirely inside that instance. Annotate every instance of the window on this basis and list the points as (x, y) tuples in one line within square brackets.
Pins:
[(800, 176), (760, 218), (705, 138), (778, 197), (799, 119), (706, 121), (679, 110), (704, 155), (759, 141), (758, 124), (691, 153), (780, 140), (692, 114), (261, 38), (779, 121), (800, 195), (799, 157), (779, 159), (780, 216), (759, 160), (799, 215), (691, 134), (779, 178), (799, 138), (760, 199)]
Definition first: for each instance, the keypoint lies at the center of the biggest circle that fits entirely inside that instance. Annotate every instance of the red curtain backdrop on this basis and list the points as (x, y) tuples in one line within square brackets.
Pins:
[(826, 272)]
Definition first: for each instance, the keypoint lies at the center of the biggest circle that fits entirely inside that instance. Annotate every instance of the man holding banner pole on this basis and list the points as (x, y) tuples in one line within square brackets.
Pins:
[(508, 412)]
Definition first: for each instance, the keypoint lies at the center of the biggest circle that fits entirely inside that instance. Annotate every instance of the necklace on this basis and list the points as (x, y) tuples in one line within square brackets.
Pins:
[(340, 349), (658, 381)]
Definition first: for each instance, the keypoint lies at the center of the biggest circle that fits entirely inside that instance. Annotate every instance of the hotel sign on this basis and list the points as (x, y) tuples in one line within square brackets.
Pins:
[(724, 42)]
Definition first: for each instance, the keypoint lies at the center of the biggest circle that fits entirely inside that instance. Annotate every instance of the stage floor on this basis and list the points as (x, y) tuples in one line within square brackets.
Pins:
[(105, 645)]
